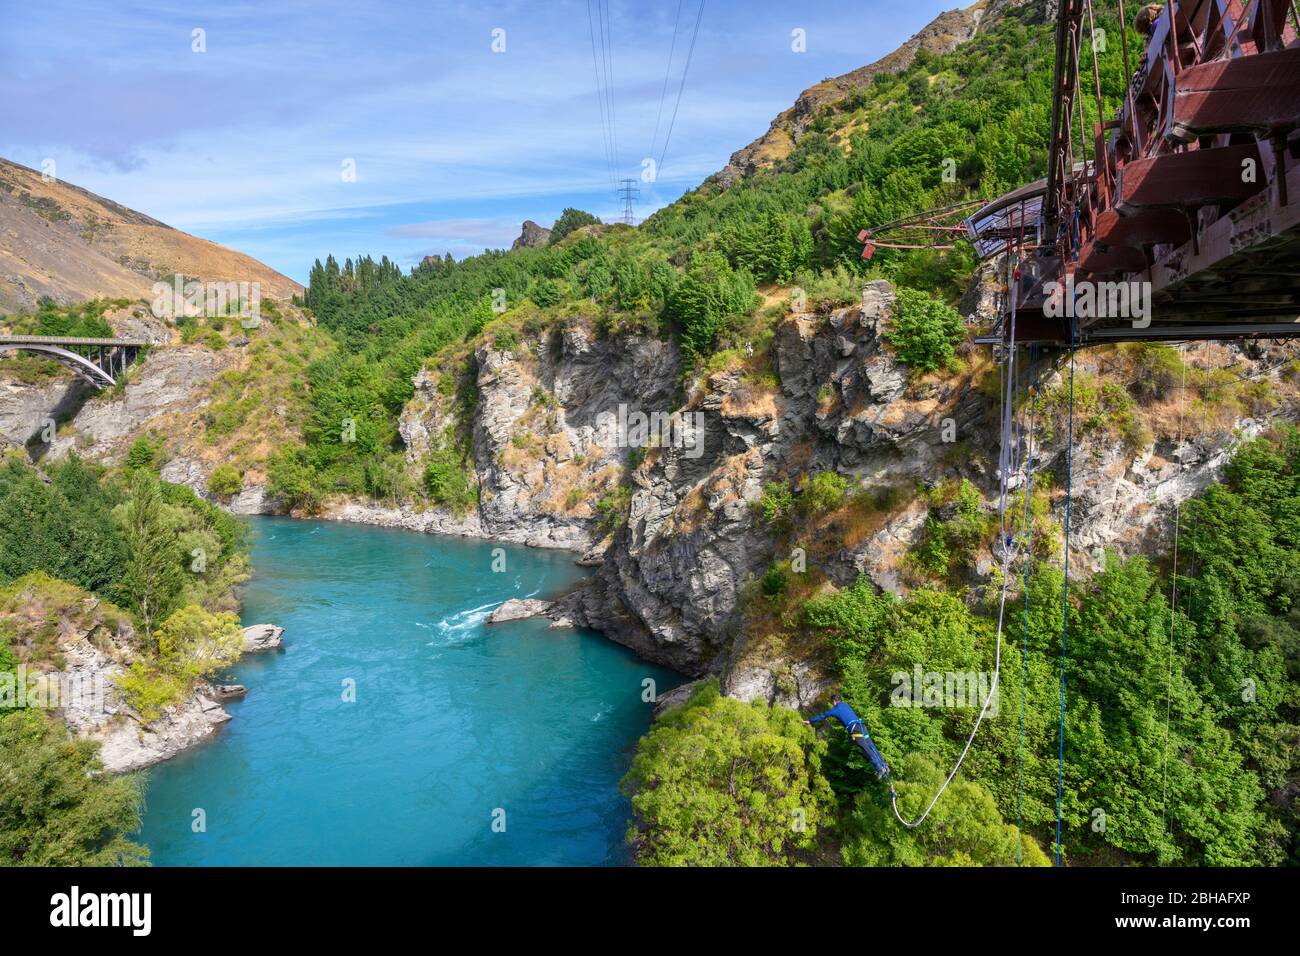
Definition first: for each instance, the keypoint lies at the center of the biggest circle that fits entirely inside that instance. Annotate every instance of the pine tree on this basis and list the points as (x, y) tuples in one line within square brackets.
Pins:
[(153, 568)]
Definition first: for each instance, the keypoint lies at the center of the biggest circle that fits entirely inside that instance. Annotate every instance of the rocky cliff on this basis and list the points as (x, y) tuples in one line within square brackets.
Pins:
[(676, 579), (544, 431)]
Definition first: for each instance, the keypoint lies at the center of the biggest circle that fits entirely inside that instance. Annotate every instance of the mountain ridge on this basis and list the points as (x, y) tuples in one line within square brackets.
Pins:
[(941, 35), (64, 242)]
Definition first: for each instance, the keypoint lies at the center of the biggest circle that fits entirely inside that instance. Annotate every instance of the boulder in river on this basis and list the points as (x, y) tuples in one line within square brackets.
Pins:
[(517, 609), (262, 637)]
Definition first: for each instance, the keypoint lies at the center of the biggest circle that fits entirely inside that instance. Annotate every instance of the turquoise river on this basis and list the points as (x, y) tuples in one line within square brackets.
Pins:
[(396, 727)]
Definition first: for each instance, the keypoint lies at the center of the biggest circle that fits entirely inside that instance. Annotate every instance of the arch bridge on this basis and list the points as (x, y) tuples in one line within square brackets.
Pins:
[(101, 362)]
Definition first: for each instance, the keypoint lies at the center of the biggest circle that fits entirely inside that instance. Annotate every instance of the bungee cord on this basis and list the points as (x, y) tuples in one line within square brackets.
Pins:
[(1010, 456)]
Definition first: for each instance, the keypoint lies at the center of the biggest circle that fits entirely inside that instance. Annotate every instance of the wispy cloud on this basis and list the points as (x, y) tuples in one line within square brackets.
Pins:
[(451, 143)]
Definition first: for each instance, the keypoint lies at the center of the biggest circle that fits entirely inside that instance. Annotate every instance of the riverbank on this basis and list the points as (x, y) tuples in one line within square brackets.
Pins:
[(396, 722), (128, 742)]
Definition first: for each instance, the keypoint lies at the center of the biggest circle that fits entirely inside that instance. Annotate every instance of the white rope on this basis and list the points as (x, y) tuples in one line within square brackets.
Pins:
[(993, 689), (1009, 456)]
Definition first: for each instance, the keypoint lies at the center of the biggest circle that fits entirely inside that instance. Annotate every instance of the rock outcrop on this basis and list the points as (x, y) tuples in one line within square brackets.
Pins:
[(127, 744), (531, 235), (90, 646), (170, 380), (262, 637), (30, 411), (545, 433), (252, 499), (518, 609), (677, 696)]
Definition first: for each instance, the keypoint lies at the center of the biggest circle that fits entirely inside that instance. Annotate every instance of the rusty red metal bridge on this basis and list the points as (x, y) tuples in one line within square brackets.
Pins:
[(1178, 218)]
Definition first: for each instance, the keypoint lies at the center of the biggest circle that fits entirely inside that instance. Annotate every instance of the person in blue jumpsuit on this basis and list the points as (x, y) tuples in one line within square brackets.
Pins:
[(857, 733)]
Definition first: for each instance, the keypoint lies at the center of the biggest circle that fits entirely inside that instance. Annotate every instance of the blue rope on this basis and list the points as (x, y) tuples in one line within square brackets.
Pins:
[(1065, 602), (1024, 640)]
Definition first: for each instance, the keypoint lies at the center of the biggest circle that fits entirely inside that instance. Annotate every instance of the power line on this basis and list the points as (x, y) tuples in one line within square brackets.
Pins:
[(685, 70), (663, 94), (600, 97), (607, 42)]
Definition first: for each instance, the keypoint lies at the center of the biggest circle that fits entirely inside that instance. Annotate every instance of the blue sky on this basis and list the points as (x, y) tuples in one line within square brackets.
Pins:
[(453, 145)]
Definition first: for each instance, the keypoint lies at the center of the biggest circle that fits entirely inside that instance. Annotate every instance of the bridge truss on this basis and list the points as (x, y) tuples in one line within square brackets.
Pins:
[(1193, 189)]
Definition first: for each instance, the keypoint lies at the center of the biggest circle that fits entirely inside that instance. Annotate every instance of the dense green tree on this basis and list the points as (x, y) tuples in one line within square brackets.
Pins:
[(63, 527), (924, 331), (718, 782), (55, 809), (963, 829), (151, 578), (705, 298), (570, 219)]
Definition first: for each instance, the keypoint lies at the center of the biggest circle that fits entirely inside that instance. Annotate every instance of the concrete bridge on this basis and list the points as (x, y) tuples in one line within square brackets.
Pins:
[(101, 362)]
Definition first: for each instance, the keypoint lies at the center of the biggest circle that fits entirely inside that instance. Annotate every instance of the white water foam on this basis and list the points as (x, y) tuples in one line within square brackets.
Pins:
[(463, 621)]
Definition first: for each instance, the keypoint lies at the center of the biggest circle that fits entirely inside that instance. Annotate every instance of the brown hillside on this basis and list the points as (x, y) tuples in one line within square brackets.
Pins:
[(65, 242)]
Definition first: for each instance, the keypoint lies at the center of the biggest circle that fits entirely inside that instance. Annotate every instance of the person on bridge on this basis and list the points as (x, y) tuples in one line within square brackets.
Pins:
[(857, 732)]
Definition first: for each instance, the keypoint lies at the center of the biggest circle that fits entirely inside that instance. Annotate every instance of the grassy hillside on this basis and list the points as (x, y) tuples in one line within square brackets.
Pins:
[(68, 244)]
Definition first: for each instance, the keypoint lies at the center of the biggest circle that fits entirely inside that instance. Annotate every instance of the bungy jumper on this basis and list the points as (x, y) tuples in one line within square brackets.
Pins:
[(857, 733)]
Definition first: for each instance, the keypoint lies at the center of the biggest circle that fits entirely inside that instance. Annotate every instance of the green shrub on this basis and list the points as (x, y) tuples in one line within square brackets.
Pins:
[(225, 480), (824, 492), (56, 807), (613, 507), (447, 478), (774, 582), (291, 478), (924, 331), (777, 503), (706, 297), (143, 453), (718, 782), (546, 293), (194, 643), (570, 219), (150, 689), (964, 828)]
